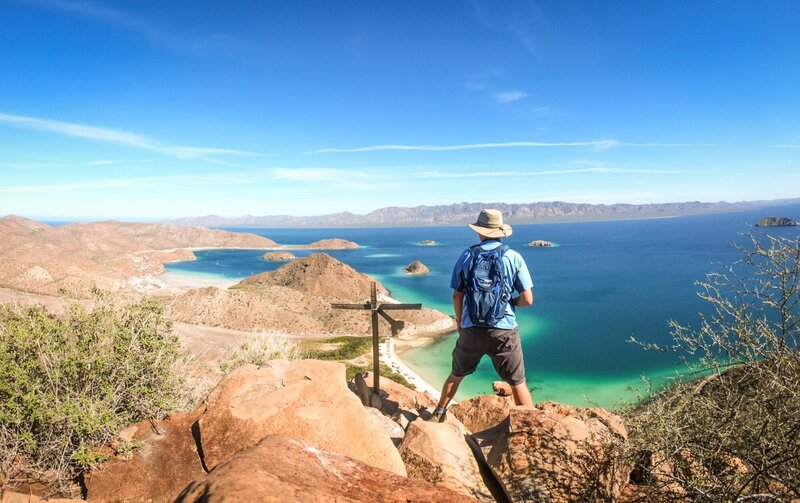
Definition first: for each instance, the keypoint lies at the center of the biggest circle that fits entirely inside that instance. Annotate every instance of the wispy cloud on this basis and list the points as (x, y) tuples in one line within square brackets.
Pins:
[(689, 145), (593, 163), (525, 22), (599, 144), (119, 137), (786, 145), (554, 172), (509, 96)]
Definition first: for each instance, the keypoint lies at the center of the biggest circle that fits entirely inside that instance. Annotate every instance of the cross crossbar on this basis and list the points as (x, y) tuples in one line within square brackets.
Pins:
[(378, 310)]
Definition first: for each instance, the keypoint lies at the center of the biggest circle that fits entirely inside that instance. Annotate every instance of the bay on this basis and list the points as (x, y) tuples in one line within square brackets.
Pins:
[(602, 283)]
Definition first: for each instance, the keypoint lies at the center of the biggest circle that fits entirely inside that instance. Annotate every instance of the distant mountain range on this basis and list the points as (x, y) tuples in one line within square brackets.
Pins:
[(462, 213)]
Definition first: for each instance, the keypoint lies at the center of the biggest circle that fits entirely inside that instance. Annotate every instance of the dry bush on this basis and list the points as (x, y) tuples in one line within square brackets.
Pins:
[(261, 348), (69, 383), (733, 434)]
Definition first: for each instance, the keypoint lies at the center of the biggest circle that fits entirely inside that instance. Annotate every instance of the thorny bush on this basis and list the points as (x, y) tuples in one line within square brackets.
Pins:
[(734, 433)]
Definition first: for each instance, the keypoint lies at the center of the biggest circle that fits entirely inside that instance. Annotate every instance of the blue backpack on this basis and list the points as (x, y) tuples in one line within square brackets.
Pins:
[(487, 291)]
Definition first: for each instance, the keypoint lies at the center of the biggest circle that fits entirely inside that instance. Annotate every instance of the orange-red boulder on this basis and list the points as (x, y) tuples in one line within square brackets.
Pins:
[(557, 453), (165, 460), (280, 469), (307, 400)]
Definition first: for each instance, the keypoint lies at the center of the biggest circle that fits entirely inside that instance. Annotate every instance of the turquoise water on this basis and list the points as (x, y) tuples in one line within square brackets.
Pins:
[(602, 284)]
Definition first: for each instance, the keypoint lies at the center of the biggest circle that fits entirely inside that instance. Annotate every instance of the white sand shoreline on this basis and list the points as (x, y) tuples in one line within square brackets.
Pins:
[(183, 280), (389, 356)]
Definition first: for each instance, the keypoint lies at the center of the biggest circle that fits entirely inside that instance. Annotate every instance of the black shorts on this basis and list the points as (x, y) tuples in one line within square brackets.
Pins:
[(503, 347)]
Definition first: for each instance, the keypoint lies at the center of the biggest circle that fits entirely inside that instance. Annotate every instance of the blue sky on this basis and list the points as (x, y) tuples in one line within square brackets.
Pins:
[(153, 109)]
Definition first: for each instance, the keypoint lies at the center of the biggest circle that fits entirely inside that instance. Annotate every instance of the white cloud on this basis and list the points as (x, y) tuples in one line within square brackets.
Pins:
[(669, 145), (509, 96), (599, 144), (119, 137), (785, 145), (488, 174)]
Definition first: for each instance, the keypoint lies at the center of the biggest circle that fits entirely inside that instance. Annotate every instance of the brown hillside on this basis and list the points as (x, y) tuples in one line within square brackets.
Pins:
[(295, 299), (317, 274), (107, 255)]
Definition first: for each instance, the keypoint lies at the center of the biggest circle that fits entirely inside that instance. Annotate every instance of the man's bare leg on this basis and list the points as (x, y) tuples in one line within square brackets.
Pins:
[(521, 393), (449, 390)]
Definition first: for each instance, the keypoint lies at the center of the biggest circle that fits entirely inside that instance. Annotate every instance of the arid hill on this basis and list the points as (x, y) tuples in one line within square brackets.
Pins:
[(295, 299), (326, 244), (108, 255), (277, 256)]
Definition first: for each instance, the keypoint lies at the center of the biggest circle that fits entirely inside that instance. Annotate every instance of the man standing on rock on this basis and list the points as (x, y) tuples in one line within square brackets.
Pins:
[(483, 282)]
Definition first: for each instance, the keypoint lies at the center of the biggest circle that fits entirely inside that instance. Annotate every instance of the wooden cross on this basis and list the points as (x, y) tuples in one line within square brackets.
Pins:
[(376, 310)]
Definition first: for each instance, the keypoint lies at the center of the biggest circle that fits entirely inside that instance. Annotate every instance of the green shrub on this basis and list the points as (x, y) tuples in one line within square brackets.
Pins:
[(347, 348), (70, 383)]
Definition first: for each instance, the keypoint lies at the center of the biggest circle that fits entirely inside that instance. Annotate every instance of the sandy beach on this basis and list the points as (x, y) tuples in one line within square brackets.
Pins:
[(390, 357), (182, 281)]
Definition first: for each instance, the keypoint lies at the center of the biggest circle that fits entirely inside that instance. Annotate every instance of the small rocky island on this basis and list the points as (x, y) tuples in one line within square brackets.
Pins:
[(417, 268), (330, 244), (427, 242), (777, 222), (278, 256), (539, 243)]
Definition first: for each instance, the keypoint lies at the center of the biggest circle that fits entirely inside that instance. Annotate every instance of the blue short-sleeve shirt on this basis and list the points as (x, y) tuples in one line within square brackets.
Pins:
[(516, 273)]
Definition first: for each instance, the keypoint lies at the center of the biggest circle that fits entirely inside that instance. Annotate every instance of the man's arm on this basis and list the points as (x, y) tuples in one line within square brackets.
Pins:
[(525, 298), (458, 305)]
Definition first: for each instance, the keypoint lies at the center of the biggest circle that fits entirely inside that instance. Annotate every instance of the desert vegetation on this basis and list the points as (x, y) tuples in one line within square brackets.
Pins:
[(733, 434), (69, 383)]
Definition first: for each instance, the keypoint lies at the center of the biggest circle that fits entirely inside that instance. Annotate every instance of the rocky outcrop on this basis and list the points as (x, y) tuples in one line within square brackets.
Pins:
[(163, 462), (19, 497), (539, 243), (438, 453), (280, 469), (307, 400), (557, 453), (296, 299), (482, 412), (417, 268), (502, 388), (328, 244), (278, 256), (777, 222)]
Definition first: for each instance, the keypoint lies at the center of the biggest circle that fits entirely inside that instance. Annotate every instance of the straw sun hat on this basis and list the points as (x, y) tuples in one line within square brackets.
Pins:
[(490, 224)]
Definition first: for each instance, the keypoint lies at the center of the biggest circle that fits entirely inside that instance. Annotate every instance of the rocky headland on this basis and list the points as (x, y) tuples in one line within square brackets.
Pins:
[(278, 256), (416, 268), (777, 222), (295, 299), (74, 258)]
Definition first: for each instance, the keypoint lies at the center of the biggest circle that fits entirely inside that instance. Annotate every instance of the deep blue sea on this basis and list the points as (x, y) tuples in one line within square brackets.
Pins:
[(603, 283)]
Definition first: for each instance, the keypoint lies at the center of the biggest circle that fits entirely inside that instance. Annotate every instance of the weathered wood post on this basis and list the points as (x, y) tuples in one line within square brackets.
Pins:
[(375, 311)]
